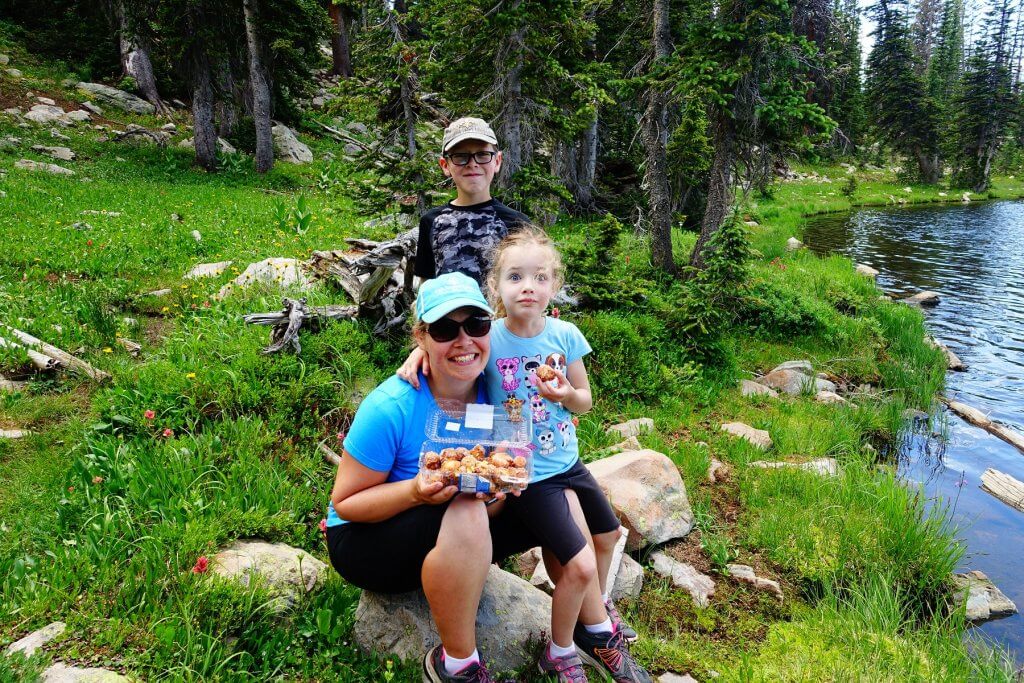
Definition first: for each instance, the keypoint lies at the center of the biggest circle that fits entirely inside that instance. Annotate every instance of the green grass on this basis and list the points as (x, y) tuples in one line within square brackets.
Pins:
[(104, 516)]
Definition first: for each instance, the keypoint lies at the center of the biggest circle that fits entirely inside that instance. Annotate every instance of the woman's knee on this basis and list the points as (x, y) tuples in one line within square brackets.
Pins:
[(466, 521)]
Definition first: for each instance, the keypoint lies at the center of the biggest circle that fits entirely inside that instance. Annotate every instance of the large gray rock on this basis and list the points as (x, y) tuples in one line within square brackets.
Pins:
[(792, 382), (288, 148), (866, 270), (748, 388), (272, 272), (35, 640), (629, 581), (511, 612), (78, 116), (288, 572), (223, 146), (802, 366), (45, 114), (983, 600), (759, 438), (4, 60), (647, 494), (632, 427), (700, 586), (207, 270), (60, 673), (61, 153), (29, 165), (792, 244), (926, 298), (745, 573), (830, 398), (14, 73), (112, 97)]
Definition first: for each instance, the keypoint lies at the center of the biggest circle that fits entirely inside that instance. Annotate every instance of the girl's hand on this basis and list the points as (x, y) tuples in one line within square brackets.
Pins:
[(412, 366), (555, 390), (432, 493)]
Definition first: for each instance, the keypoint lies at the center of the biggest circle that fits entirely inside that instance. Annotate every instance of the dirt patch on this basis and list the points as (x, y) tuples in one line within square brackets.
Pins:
[(155, 330)]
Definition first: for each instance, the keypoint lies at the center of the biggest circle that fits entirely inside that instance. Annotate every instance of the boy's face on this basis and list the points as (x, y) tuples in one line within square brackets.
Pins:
[(473, 179)]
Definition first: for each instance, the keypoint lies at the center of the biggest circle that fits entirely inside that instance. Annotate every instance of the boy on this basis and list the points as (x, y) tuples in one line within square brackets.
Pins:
[(459, 236)]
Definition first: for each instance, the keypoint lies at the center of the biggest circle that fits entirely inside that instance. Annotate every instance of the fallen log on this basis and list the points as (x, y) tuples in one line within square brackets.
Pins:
[(979, 419), (14, 433), (64, 357), (39, 360), (293, 317), (1004, 487), (330, 456)]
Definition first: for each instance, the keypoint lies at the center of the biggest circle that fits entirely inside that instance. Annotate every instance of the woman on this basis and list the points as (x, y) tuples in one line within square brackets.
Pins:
[(390, 531)]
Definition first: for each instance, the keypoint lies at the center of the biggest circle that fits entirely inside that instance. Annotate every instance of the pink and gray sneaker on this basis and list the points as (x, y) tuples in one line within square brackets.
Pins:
[(568, 669), (628, 634), (434, 671)]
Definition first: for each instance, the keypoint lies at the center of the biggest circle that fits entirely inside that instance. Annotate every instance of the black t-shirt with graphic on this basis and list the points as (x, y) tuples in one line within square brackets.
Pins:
[(461, 238)]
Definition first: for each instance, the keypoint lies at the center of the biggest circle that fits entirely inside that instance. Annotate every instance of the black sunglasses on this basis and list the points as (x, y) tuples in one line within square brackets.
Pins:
[(446, 329), (462, 158)]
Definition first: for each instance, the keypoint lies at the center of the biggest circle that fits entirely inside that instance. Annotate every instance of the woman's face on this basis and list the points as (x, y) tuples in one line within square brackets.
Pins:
[(463, 358)]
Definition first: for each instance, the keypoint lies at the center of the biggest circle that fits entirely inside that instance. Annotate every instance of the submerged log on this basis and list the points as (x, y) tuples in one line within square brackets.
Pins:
[(1004, 487), (979, 419), (63, 357)]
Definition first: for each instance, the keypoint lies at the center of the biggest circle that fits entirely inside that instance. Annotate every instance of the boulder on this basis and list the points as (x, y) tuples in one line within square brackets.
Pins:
[(511, 613), (794, 382), (648, 495), (29, 165), (717, 471), (926, 298), (700, 586), (792, 244), (45, 100), (528, 561), (45, 114), (223, 146), (830, 398), (801, 366), (14, 73), (826, 467), (92, 108), (748, 388), (629, 581), (982, 599), (286, 571), (288, 148), (759, 438), (352, 149), (356, 127), (61, 153), (4, 60), (632, 427), (745, 573), (60, 673), (9, 386), (953, 361), (207, 270), (35, 640), (14, 433), (866, 270), (112, 97), (273, 272), (78, 116)]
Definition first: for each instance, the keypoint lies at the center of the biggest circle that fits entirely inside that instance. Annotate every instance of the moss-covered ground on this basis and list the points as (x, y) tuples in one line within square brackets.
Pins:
[(104, 516)]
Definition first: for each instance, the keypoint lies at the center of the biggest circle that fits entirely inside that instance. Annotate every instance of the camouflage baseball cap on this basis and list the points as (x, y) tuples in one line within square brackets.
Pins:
[(467, 128)]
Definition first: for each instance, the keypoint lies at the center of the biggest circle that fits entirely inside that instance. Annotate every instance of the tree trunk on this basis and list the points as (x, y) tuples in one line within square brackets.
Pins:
[(929, 165), (517, 151), (720, 189), (260, 89), (341, 55), (135, 61), (227, 102), (202, 110), (654, 130)]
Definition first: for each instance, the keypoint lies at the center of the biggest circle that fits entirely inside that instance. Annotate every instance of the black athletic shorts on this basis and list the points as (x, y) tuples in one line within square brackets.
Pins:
[(544, 510), (387, 556)]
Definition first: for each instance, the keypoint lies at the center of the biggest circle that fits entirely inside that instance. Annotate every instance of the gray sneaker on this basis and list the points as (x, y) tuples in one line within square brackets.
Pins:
[(607, 652), (567, 669), (627, 631), (434, 671)]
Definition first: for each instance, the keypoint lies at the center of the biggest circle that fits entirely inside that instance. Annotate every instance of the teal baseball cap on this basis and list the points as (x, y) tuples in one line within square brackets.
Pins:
[(445, 293)]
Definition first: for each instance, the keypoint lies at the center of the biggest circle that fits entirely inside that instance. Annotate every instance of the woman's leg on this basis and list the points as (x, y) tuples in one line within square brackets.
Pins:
[(454, 573)]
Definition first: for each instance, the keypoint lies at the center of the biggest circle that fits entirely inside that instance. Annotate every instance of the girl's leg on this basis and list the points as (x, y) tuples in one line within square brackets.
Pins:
[(579, 577), (604, 548), (454, 573)]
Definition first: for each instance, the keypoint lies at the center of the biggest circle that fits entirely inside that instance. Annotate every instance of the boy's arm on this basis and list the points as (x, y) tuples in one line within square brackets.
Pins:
[(425, 267)]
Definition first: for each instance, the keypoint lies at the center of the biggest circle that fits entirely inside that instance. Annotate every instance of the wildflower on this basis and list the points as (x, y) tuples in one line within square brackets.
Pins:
[(323, 526), (190, 375), (168, 432), (107, 349), (97, 479), (71, 489), (206, 304), (575, 421), (165, 309), (149, 414), (341, 436), (555, 312), (201, 565), (88, 243)]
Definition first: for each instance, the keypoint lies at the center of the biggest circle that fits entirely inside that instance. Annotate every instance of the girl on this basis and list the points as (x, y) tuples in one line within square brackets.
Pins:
[(563, 500)]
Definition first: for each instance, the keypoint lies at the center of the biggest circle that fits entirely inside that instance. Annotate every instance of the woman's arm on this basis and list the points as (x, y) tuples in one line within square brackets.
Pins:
[(361, 494)]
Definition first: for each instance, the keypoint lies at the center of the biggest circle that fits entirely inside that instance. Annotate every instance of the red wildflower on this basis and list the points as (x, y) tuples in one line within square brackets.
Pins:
[(341, 436), (97, 479), (575, 421), (89, 242), (323, 526), (555, 313), (149, 414), (168, 432), (201, 565)]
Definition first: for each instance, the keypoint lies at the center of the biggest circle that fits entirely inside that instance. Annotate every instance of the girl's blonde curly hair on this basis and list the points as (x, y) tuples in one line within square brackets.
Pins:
[(528, 234)]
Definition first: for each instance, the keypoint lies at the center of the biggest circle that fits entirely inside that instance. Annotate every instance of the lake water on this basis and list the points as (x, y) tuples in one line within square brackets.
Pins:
[(973, 256)]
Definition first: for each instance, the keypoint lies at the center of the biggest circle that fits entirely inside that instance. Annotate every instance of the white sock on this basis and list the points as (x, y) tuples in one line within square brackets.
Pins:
[(555, 650), (604, 596), (454, 665), (604, 627)]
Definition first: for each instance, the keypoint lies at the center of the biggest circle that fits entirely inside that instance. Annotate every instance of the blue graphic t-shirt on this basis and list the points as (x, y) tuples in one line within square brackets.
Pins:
[(512, 371), (389, 429)]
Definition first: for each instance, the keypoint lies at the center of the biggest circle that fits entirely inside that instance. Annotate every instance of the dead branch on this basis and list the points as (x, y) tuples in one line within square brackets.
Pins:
[(330, 456), (41, 361), (53, 352)]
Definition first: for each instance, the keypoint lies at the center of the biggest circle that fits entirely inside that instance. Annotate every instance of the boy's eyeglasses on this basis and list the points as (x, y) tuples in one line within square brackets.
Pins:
[(446, 329), (462, 158)]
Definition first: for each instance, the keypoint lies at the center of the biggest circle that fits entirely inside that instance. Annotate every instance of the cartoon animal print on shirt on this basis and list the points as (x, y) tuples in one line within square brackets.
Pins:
[(563, 429), (530, 365), (507, 367), (557, 361), (538, 408), (547, 441)]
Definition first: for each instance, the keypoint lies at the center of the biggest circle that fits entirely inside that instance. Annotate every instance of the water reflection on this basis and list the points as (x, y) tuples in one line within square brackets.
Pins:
[(973, 256)]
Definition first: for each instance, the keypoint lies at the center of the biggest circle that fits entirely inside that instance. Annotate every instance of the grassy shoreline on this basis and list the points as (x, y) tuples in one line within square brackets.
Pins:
[(104, 516)]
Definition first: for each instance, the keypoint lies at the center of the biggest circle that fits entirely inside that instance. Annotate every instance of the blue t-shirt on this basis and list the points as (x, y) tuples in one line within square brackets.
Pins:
[(389, 429), (512, 371)]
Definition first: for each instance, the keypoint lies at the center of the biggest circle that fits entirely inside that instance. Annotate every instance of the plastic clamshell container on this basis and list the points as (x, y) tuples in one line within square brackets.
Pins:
[(478, 447)]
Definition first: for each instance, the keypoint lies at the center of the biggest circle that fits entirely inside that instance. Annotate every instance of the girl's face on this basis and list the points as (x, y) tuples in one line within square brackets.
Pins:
[(462, 358), (526, 280)]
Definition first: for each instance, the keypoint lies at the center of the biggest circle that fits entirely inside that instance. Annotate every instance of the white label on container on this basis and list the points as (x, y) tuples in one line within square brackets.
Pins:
[(479, 416), (453, 426)]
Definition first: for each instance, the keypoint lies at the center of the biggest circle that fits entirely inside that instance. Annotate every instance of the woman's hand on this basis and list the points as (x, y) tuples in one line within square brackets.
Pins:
[(555, 390), (432, 492), (412, 366)]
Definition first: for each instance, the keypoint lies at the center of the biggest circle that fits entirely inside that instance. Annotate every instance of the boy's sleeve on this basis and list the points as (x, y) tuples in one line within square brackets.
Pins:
[(425, 267), (576, 345), (375, 434), (512, 219)]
